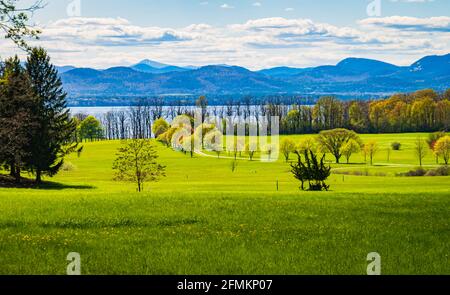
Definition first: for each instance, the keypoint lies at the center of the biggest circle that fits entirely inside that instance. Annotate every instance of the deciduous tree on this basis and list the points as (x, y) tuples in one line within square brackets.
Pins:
[(332, 141), (137, 162), (442, 148)]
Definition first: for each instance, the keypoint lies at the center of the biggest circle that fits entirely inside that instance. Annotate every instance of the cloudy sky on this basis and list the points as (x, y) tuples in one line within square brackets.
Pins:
[(255, 34)]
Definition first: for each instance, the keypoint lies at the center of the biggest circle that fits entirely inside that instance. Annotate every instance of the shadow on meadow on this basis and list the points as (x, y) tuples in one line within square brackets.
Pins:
[(7, 181)]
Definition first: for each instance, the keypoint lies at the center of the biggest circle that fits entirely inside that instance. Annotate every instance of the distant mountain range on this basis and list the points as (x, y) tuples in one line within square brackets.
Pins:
[(351, 77)]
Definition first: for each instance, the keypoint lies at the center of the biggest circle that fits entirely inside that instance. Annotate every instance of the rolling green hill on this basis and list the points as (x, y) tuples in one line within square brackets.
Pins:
[(204, 219)]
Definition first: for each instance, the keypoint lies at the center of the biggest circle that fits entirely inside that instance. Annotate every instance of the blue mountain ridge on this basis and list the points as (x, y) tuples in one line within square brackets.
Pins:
[(351, 75)]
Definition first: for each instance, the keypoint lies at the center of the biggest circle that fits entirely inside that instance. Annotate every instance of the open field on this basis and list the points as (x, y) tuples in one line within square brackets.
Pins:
[(204, 219)]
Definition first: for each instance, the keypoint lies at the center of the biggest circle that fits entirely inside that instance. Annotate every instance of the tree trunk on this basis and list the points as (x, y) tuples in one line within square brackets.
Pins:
[(38, 176), (337, 159), (13, 169), (16, 174)]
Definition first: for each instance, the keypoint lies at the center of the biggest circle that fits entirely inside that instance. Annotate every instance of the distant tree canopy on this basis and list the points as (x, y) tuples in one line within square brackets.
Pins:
[(421, 111)]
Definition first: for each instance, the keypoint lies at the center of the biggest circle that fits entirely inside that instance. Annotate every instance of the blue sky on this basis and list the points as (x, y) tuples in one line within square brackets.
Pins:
[(255, 34)]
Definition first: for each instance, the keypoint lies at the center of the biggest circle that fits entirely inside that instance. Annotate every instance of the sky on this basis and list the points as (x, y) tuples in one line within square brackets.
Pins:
[(252, 33)]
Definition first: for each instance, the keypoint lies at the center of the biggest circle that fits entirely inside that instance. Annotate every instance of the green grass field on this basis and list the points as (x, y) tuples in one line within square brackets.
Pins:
[(205, 219)]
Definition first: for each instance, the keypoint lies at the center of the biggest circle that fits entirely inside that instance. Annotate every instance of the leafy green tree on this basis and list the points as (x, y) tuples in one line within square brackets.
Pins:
[(202, 130), (311, 170), (328, 113), (370, 149), (287, 147), (55, 137), (358, 116), (137, 162), (159, 127), (14, 21), (90, 129), (432, 139), (17, 121), (332, 141), (442, 148), (213, 142), (420, 150), (307, 144), (188, 144), (166, 137), (350, 148)]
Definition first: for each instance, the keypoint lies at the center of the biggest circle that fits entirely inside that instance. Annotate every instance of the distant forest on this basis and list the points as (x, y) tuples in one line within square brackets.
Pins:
[(421, 111)]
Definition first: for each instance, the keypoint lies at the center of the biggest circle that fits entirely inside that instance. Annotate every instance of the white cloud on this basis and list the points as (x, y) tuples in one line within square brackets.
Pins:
[(267, 42), (257, 4), (289, 9), (439, 24), (226, 6)]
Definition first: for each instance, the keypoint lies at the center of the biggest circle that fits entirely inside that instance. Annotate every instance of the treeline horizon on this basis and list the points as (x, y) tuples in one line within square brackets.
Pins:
[(421, 111)]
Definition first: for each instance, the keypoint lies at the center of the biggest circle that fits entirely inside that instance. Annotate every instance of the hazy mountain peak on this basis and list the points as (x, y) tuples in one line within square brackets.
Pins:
[(153, 64)]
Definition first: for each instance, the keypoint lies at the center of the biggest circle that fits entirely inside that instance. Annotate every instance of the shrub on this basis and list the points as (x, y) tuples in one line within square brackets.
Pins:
[(414, 173), (441, 171), (396, 146), (312, 171)]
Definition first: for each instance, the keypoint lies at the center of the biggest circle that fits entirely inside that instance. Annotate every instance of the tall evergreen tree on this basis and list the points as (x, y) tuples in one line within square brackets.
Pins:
[(17, 121), (55, 136)]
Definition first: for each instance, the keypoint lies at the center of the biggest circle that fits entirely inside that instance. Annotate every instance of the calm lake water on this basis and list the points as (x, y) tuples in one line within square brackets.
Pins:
[(95, 111)]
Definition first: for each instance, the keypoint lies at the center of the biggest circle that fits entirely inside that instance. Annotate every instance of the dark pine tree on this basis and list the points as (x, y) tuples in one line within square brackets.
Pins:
[(54, 138), (17, 121)]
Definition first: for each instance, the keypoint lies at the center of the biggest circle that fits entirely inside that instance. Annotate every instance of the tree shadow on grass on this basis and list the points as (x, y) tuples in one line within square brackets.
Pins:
[(7, 181)]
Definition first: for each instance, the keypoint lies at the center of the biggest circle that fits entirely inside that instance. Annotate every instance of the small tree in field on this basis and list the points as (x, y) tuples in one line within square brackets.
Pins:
[(90, 129), (287, 147), (136, 162), (332, 141), (159, 127), (350, 148), (214, 142), (421, 150), (442, 148), (432, 140), (312, 171), (370, 149)]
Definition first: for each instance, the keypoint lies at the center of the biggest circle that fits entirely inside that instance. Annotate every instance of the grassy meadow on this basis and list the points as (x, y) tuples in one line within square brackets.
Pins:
[(205, 219)]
